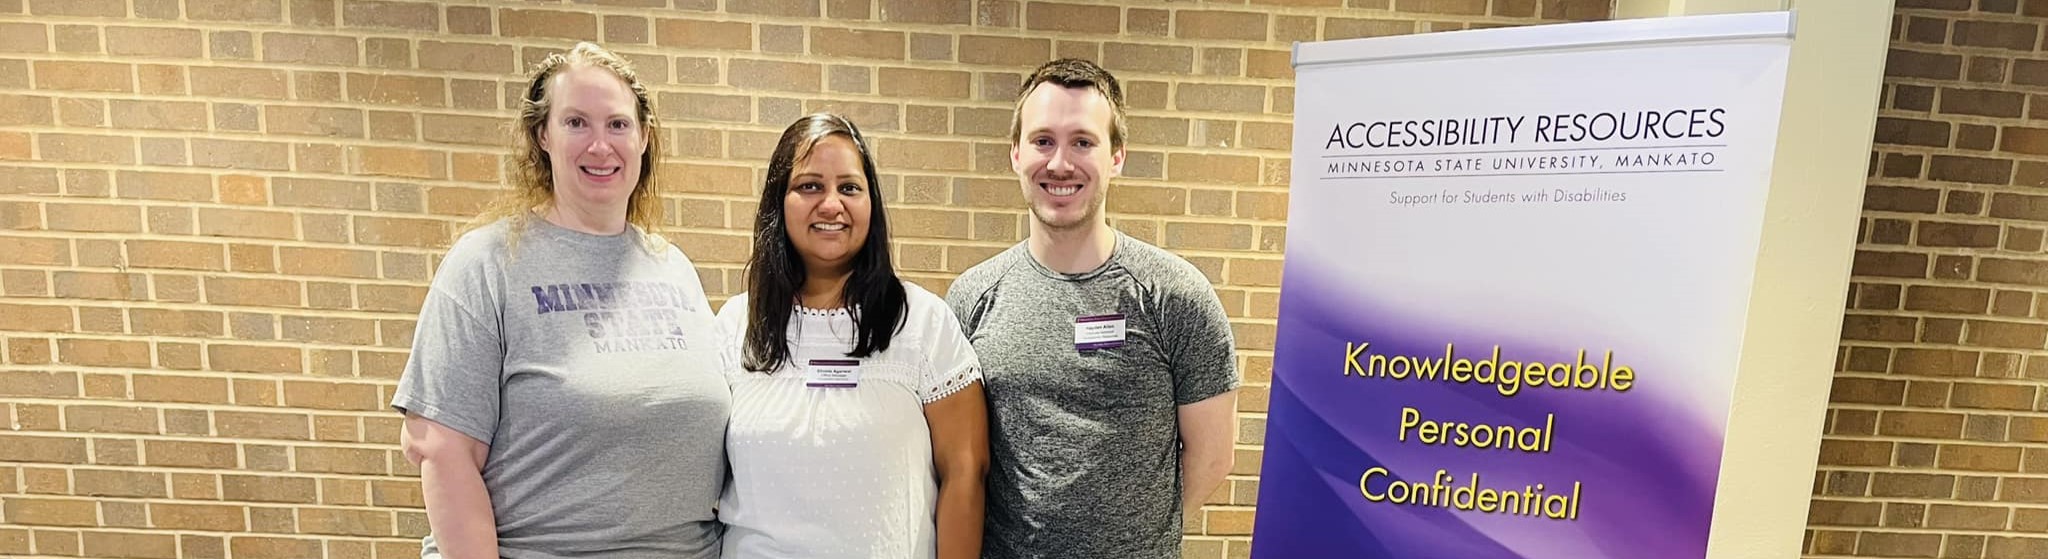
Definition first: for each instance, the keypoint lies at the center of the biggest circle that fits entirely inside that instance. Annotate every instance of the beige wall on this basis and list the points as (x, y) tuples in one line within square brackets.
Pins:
[(217, 217)]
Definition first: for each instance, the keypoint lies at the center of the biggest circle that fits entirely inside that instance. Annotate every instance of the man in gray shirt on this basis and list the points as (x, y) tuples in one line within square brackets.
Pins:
[(1109, 364)]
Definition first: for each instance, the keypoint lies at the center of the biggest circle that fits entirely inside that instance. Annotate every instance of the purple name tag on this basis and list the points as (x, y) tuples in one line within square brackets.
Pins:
[(1098, 332), (832, 373)]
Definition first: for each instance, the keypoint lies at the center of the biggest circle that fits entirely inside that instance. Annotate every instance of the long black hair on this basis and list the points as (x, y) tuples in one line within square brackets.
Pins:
[(873, 296)]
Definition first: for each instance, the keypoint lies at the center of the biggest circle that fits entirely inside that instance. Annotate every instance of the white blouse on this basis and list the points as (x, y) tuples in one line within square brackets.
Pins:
[(824, 470)]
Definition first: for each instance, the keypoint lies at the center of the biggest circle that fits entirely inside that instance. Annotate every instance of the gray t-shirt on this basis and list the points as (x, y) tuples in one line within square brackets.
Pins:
[(591, 367), (1084, 444)]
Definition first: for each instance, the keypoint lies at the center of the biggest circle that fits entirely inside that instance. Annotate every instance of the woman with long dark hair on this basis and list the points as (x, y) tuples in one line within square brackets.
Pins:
[(859, 429)]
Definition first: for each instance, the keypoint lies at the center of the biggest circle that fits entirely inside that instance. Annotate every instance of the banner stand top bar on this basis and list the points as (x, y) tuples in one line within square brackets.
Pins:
[(1721, 27)]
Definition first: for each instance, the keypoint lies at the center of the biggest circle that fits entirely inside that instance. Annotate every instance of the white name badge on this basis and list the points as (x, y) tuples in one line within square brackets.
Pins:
[(1098, 332), (832, 373)]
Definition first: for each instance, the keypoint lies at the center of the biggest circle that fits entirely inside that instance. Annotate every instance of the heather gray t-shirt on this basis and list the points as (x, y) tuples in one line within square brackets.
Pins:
[(591, 367), (1084, 444)]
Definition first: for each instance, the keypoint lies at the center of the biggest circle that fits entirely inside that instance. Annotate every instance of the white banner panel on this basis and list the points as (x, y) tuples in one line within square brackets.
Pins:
[(1517, 270)]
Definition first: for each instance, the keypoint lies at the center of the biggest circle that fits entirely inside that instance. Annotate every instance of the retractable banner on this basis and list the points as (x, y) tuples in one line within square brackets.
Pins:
[(1518, 268)]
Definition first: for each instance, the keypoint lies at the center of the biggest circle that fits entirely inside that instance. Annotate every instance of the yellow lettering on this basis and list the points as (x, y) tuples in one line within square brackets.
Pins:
[(1351, 352), (1364, 480)]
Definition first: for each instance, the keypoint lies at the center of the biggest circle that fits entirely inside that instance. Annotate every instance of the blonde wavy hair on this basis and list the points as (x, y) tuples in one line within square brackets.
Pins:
[(533, 176)]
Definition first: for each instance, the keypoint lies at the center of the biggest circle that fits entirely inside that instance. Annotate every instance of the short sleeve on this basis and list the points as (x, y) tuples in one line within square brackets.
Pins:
[(453, 376), (950, 362), (1201, 350), (732, 331)]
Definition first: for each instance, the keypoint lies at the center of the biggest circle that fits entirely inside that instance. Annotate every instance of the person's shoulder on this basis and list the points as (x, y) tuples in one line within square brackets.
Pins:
[(922, 302), (980, 277), (486, 238), (485, 246), (659, 244), (735, 306), (1156, 265)]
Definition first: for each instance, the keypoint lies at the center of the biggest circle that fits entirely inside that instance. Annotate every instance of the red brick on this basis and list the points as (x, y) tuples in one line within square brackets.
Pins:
[(1220, 25), (131, 545), (1982, 102), (84, 76), (547, 24), (248, 425), (84, 148), (775, 75), (346, 522), (326, 50), (1994, 396), (181, 389), (166, 322), (154, 42), (1945, 234), (253, 359), (104, 353), (389, 89), (1926, 486), (1980, 458), (927, 11), (2011, 547), (234, 10), (342, 460), (38, 383), (855, 43), (399, 162), (1997, 34), (1072, 17), (788, 8), (218, 518), (58, 450), (717, 35), (1868, 391), (1160, 59), (93, 8), (2000, 270), (1351, 28), (274, 547), (470, 130), (2019, 206), (936, 84), (419, 16), (1912, 132), (1915, 64), (50, 512), (1899, 544), (1934, 363), (409, 232), (344, 263)]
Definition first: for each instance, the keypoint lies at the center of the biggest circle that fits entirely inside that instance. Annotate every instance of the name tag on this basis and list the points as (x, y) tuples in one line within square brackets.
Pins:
[(832, 373), (1098, 332)]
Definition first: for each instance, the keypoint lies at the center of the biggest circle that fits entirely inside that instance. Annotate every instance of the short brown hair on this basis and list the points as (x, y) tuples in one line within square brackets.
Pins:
[(1074, 73)]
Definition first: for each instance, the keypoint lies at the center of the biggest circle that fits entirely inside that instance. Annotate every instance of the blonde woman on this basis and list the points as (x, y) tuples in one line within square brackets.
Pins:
[(564, 397)]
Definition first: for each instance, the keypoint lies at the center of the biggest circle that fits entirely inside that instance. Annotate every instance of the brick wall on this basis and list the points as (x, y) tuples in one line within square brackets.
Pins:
[(218, 217), (1939, 412)]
